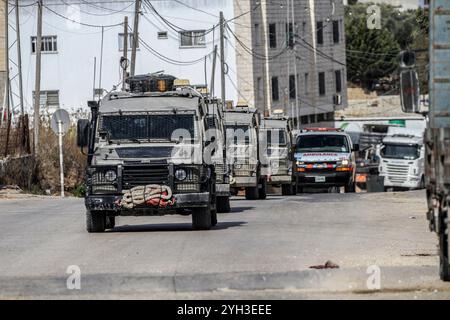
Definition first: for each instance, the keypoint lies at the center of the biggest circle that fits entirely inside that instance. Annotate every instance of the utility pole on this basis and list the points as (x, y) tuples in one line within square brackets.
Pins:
[(125, 52), (213, 72), (8, 115), (37, 89), (135, 39), (24, 133), (19, 57), (222, 55)]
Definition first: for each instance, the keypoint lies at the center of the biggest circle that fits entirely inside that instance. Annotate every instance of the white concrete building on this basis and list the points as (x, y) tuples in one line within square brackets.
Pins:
[(298, 61), (69, 48)]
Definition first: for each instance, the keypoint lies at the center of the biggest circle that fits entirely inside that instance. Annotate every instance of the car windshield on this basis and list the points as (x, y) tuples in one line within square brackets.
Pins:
[(400, 151), (274, 137), (322, 143), (148, 127)]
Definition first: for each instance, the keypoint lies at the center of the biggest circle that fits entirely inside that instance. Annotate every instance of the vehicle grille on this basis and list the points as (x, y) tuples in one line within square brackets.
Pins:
[(397, 173), (133, 176), (220, 172), (243, 170)]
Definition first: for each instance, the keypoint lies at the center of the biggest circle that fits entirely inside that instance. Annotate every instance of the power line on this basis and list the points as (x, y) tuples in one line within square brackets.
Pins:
[(101, 8), (82, 23)]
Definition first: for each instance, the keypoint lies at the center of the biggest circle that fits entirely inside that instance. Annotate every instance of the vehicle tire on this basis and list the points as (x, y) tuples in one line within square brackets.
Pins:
[(251, 193), (202, 219), (95, 221), (110, 222), (350, 188), (213, 218), (223, 205), (262, 191), (444, 262), (287, 189), (299, 189)]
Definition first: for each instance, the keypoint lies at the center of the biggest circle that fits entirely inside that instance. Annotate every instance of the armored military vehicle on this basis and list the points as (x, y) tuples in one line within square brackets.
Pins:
[(242, 130), (145, 150)]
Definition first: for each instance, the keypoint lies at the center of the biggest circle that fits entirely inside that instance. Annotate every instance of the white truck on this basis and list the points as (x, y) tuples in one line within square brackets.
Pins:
[(402, 159)]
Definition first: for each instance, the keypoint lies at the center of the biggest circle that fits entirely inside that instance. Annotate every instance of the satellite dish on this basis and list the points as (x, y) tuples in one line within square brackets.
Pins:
[(60, 116)]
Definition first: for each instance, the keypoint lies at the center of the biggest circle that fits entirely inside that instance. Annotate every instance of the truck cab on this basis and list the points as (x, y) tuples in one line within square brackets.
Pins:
[(325, 159), (242, 133), (275, 146), (145, 154), (402, 161)]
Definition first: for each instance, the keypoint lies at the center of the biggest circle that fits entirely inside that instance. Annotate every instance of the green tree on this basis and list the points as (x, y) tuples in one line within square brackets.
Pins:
[(371, 53)]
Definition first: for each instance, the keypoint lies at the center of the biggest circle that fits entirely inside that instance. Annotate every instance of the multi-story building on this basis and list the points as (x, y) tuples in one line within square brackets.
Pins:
[(280, 54), (76, 49), (297, 57)]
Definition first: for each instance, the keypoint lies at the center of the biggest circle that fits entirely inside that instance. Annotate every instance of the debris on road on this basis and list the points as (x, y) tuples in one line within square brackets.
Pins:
[(328, 265)]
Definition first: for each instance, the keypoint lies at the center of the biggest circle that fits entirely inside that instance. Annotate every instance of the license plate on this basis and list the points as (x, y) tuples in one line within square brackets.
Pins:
[(319, 179)]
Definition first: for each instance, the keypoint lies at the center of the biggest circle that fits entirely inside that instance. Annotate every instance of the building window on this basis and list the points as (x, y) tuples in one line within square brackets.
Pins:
[(306, 83), (338, 77), (275, 91), (194, 38), (162, 35), (49, 44), (257, 34), (336, 33), (259, 88), (320, 32), (303, 29), (290, 35), (273, 35), (129, 43), (49, 98), (292, 87), (322, 89)]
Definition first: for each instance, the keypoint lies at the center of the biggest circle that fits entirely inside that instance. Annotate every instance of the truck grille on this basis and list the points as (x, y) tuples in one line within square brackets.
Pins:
[(243, 170), (133, 176), (397, 173), (220, 171)]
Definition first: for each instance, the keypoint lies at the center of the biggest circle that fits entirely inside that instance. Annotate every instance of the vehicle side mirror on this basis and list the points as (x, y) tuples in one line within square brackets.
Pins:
[(410, 91), (82, 133), (356, 147)]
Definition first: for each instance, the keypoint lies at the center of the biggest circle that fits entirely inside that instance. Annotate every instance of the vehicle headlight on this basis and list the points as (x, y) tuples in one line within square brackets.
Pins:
[(180, 174), (345, 162), (110, 176)]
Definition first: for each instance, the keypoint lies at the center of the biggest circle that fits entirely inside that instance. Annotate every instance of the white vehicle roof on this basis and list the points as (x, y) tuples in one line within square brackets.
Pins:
[(403, 139)]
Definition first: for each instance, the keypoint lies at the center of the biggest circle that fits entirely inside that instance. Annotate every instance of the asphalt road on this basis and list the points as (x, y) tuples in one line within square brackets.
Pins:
[(263, 249)]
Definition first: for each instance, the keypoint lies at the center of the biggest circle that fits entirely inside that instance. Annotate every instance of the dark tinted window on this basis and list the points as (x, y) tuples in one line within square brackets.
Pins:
[(400, 151), (275, 91), (338, 77), (273, 35), (292, 87), (322, 143), (146, 126), (319, 32), (336, 35), (322, 89)]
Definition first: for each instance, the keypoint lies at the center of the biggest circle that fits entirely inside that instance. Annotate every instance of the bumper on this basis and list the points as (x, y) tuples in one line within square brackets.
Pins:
[(238, 182), (182, 201), (223, 190), (407, 183), (275, 180), (332, 179)]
